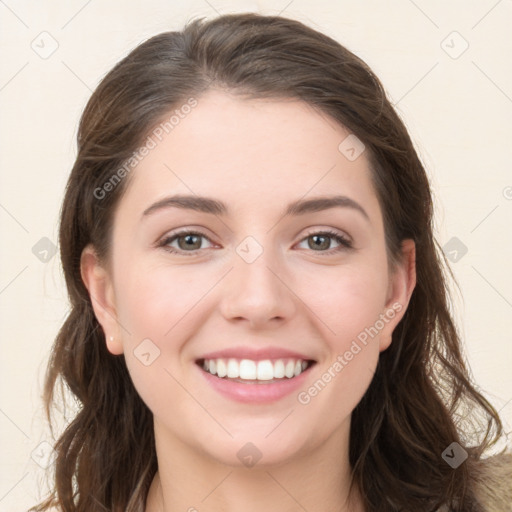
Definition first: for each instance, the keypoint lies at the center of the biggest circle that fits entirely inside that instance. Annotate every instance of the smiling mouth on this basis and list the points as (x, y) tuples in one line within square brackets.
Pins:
[(255, 372)]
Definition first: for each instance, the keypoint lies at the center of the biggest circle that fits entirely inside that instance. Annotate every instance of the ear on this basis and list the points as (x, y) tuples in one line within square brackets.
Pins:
[(101, 291), (401, 285)]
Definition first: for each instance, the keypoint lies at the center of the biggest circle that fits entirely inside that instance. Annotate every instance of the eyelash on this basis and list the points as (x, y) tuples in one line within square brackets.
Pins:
[(344, 242)]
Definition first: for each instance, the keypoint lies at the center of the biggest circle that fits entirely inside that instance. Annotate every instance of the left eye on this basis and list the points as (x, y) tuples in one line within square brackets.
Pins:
[(320, 238), (190, 241)]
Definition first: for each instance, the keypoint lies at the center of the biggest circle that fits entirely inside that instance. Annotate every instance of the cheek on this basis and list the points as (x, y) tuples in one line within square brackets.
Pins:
[(161, 309), (349, 303), (345, 299), (155, 306), (153, 303), (349, 319), (338, 386)]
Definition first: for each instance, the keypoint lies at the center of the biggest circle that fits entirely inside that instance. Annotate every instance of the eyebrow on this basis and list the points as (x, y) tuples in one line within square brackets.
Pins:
[(215, 207)]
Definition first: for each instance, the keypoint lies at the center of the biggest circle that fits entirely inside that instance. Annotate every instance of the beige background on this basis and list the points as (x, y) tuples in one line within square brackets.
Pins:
[(457, 105)]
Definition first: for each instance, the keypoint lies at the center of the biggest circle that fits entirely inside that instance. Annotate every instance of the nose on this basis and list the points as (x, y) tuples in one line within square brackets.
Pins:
[(258, 293)]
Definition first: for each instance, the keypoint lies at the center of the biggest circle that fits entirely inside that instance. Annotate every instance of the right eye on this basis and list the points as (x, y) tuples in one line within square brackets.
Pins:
[(188, 242)]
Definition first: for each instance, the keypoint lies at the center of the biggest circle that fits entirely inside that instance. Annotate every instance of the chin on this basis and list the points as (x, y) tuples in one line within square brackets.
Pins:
[(251, 449)]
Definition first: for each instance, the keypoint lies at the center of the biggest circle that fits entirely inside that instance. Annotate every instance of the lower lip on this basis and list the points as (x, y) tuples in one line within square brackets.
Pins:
[(255, 392)]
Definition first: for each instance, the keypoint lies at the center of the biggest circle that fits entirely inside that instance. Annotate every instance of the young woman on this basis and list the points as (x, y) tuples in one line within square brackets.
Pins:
[(259, 313)]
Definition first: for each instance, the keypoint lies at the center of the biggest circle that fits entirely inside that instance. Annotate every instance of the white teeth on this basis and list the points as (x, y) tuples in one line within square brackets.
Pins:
[(221, 368), (265, 370), (247, 369), (279, 369), (233, 369), (289, 369)]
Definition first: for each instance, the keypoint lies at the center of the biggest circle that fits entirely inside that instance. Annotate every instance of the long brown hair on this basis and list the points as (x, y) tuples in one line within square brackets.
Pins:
[(421, 399)]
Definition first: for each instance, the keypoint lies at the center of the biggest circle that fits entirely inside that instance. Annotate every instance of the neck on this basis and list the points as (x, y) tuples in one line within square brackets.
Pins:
[(189, 481)]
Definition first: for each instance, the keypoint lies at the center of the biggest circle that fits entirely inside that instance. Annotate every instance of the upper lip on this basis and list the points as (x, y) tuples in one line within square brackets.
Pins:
[(255, 354)]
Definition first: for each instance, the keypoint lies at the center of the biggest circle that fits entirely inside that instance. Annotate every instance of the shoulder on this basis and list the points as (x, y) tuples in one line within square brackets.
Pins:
[(492, 483)]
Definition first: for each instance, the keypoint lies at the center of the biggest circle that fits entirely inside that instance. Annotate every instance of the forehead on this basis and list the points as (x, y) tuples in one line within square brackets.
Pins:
[(258, 152)]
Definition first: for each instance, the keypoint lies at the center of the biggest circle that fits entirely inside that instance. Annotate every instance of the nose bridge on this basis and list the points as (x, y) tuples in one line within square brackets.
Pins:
[(254, 291)]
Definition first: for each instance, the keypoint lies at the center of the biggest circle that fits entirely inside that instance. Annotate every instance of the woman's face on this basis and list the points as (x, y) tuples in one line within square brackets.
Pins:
[(258, 281)]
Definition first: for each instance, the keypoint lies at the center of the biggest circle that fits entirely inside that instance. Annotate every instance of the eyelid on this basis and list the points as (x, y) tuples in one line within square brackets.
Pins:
[(330, 231)]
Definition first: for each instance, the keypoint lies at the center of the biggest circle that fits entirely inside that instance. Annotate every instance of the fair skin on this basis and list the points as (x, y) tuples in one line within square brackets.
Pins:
[(256, 156)]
